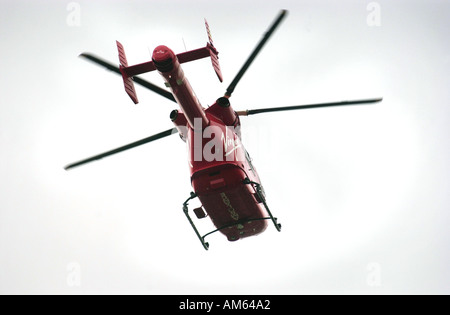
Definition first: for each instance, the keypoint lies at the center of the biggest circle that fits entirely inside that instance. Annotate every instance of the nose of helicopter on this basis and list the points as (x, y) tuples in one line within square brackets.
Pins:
[(163, 58)]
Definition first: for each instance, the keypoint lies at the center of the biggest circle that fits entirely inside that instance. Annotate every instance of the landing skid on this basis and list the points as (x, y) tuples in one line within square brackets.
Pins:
[(261, 197)]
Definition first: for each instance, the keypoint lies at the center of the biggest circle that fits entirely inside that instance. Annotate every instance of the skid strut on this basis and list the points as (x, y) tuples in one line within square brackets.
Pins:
[(258, 189), (260, 194), (186, 212)]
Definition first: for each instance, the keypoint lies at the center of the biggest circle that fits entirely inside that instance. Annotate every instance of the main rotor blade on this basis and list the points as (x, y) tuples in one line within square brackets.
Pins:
[(279, 109), (123, 148), (255, 52), (136, 79)]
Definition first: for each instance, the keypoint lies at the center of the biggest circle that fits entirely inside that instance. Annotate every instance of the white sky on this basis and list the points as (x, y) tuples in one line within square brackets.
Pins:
[(362, 192)]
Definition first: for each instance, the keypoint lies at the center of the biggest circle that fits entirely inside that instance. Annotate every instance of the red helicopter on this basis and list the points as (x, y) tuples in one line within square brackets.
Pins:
[(223, 176)]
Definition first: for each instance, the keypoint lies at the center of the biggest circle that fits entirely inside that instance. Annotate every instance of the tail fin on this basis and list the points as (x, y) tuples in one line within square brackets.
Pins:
[(127, 81), (213, 53)]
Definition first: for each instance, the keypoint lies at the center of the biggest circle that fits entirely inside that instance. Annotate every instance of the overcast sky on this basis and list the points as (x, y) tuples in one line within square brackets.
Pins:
[(362, 192)]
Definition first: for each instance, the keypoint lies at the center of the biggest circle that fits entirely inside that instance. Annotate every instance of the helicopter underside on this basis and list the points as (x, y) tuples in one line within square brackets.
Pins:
[(235, 204)]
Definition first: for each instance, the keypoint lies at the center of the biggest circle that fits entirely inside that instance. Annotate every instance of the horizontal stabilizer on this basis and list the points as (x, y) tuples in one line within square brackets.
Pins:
[(213, 53), (208, 51), (127, 81), (112, 67)]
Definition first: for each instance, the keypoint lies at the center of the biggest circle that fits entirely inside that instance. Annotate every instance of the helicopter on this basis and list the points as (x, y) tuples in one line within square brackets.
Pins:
[(222, 173)]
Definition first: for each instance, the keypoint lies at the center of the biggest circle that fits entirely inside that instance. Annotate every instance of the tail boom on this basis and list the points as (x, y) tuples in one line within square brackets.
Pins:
[(128, 72)]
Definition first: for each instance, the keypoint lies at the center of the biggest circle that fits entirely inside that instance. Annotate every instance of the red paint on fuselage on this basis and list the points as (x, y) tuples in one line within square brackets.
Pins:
[(169, 67), (218, 161)]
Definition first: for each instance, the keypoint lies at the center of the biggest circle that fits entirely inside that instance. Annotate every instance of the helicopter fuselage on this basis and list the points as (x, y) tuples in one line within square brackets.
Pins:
[(222, 174), (220, 167)]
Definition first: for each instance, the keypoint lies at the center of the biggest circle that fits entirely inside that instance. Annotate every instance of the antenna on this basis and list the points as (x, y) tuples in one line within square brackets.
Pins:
[(185, 49)]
